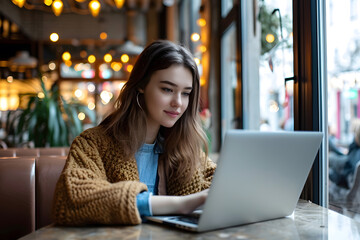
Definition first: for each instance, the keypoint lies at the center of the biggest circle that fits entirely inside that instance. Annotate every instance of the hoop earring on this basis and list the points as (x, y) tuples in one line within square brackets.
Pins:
[(137, 100)]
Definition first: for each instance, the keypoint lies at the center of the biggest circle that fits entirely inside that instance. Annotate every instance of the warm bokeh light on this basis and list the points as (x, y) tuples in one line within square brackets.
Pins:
[(106, 97), (270, 38), (116, 66), (94, 7), (202, 81), (201, 22), (78, 93), (52, 66), (121, 85), (197, 60), (13, 102), (107, 58), (274, 106), (119, 3), (66, 56), (91, 59), (57, 7), (54, 37), (195, 37), (3, 103), (91, 87), (68, 63), (48, 2), (83, 54), (202, 48), (124, 58), (41, 95), (103, 35), (20, 3), (129, 68), (81, 116), (78, 67), (10, 79), (91, 105)]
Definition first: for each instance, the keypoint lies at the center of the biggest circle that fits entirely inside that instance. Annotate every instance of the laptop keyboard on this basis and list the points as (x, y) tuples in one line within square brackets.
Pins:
[(189, 219)]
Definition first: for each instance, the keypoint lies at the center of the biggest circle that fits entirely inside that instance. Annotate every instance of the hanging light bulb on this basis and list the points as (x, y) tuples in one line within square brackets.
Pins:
[(66, 56), (57, 7), (195, 37), (20, 3), (48, 2), (107, 58), (119, 3), (94, 6)]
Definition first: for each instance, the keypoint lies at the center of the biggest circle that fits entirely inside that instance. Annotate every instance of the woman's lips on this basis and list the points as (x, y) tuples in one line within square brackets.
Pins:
[(172, 114)]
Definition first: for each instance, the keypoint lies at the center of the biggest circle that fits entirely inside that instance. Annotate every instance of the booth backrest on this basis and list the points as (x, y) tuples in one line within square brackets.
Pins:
[(47, 172), (17, 201), (27, 186), (34, 152)]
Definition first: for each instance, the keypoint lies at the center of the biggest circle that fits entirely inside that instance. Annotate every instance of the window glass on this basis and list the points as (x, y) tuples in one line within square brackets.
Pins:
[(343, 75), (276, 63), (228, 79), (226, 6)]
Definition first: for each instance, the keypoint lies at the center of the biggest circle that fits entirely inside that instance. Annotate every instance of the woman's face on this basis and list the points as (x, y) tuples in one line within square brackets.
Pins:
[(167, 96)]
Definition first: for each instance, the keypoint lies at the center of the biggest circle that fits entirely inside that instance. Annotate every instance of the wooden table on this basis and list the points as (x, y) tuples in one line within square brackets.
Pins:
[(309, 221)]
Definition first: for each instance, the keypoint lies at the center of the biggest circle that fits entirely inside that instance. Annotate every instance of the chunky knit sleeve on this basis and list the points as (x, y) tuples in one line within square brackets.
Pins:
[(200, 180), (84, 195)]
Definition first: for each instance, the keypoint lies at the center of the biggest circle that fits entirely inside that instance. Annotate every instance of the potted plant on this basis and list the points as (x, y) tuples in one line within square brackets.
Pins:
[(47, 121)]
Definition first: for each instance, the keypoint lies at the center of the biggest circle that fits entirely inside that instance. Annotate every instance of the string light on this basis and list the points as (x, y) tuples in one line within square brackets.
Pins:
[(195, 37), (66, 56), (201, 22), (119, 3), (57, 7), (91, 59), (107, 58), (48, 2), (103, 36), (124, 58), (54, 37), (270, 38), (94, 7)]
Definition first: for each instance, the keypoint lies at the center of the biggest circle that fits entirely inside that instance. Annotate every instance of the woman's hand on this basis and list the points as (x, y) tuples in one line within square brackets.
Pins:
[(165, 205)]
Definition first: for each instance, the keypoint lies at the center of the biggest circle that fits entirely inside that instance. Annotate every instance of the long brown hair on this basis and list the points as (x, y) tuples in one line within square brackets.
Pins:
[(182, 143)]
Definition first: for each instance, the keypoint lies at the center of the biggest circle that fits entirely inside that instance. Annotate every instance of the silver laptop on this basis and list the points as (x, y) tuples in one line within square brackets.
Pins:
[(259, 176)]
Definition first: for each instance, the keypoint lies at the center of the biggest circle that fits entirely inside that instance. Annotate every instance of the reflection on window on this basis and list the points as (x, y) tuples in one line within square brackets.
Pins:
[(226, 6), (79, 70), (276, 64), (228, 79)]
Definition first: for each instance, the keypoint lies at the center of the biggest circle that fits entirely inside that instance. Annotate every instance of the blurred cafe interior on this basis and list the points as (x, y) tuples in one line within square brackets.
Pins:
[(265, 65)]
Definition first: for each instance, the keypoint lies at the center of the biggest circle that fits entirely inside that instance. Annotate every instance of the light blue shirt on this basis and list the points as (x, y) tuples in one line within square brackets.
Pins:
[(147, 163)]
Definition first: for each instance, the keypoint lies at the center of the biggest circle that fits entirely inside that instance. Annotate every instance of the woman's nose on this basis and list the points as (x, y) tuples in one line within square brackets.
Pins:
[(176, 101)]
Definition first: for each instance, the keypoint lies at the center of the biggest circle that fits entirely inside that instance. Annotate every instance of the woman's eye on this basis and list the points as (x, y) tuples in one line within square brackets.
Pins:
[(166, 89), (186, 93)]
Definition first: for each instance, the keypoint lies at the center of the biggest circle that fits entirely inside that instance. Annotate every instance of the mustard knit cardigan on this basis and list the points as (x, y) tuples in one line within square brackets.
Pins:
[(99, 186)]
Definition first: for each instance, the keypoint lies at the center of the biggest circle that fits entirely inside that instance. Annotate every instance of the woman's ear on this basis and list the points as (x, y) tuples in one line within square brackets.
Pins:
[(141, 90)]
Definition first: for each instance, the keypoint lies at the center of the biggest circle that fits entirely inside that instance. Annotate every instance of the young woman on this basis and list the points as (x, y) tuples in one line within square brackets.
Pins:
[(149, 156)]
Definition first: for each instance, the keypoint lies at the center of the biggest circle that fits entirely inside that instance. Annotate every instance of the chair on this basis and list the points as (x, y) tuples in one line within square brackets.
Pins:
[(47, 173), (353, 196), (25, 152), (10, 152), (53, 151), (17, 201)]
